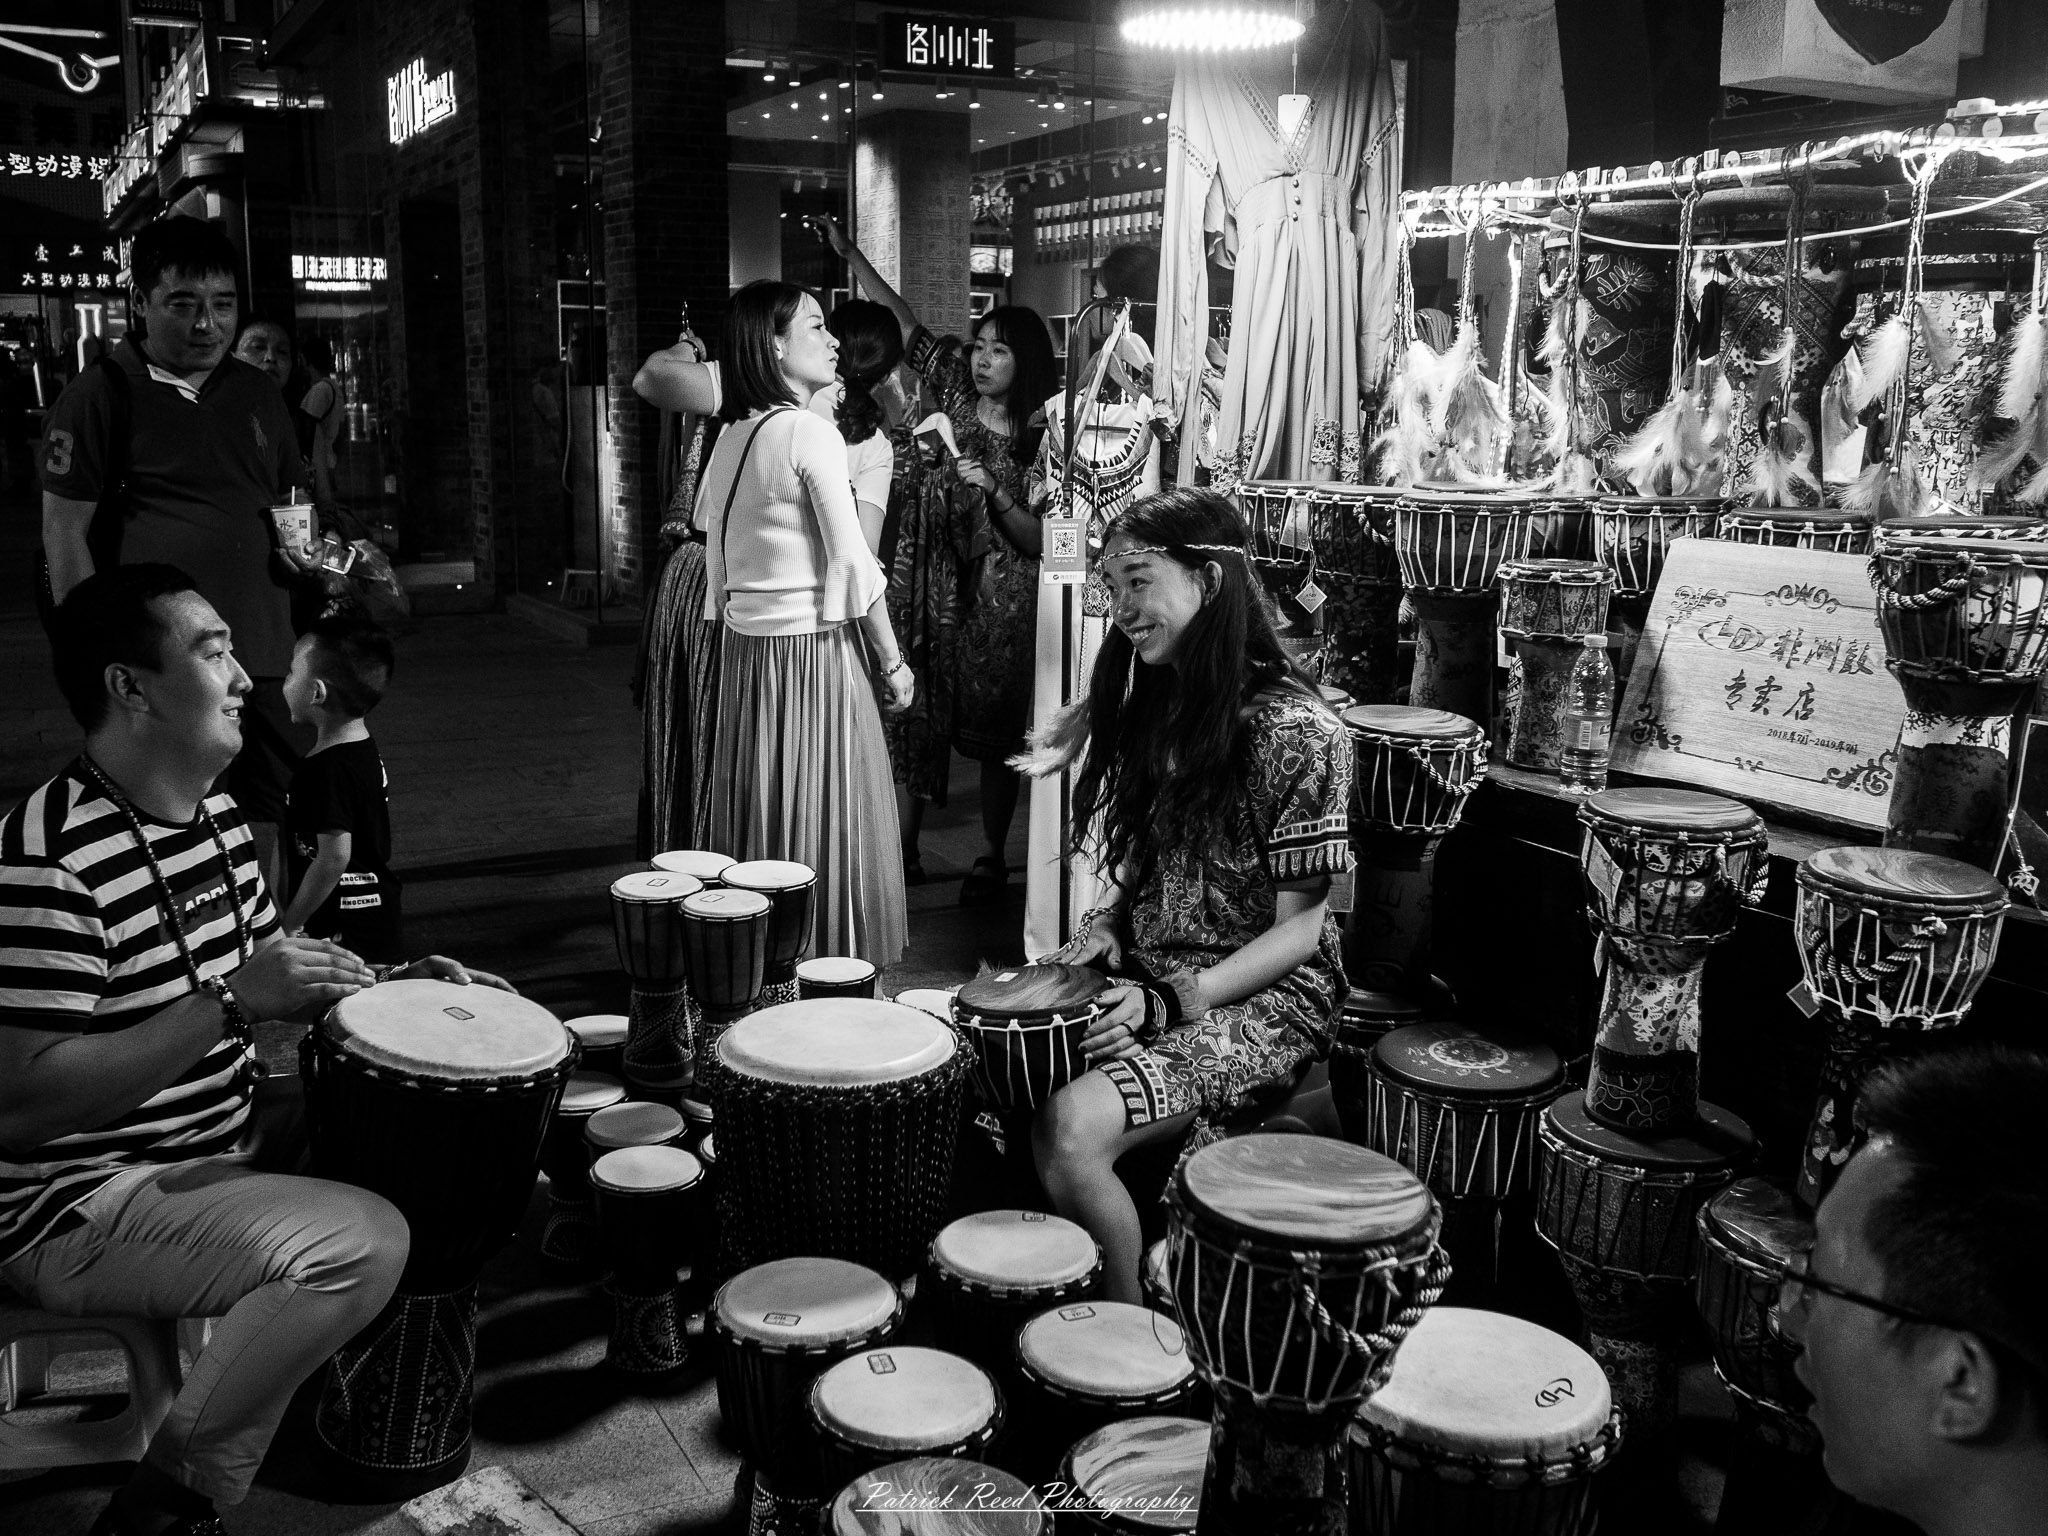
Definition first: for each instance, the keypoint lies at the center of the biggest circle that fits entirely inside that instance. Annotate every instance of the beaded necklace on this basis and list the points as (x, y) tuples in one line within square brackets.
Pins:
[(166, 898)]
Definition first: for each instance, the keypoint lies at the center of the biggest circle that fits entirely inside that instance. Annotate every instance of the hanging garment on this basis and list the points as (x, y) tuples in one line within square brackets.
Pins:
[(1311, 223)]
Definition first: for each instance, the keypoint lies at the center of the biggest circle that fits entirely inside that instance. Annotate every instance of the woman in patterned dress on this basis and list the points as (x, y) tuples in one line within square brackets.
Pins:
[(1215, 782), (992, 393)]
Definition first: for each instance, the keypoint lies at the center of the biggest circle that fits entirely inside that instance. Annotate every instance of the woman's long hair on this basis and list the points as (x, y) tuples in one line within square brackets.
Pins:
[(1038, 372), (1160, 748), (749, 374), (870, 347)]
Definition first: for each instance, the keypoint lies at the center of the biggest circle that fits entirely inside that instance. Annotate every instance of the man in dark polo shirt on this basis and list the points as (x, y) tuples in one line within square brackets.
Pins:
[(209, 447)]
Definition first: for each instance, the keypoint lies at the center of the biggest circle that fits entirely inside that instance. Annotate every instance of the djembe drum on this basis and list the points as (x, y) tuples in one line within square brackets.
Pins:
[(1547, 607), (835, 976), (651, 1207), (1841, 533), (1086, 1364), (640, 1123), (793, 890), (1631, 537), (1488, 1423), (1136, 1477), (1287, 576), (1892, 943), (884, 1405), (1748, 1233), (1666, 872), (1299, 1264), (647, 924), (1989, 527), (837, 1121), (1965, 627), (936, 1001), (435, 1096), (773, 1330), (1350, 528), (993, 1271), (937, 1496), (1557, 528), (701, 865), (1620, 1210), (1450, 544), (603, 1038), (725, 935), (570, 1232), (1025, 1024)]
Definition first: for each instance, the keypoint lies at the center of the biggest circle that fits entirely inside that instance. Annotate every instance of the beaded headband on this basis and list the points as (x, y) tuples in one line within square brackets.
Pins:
[(1167, 549)]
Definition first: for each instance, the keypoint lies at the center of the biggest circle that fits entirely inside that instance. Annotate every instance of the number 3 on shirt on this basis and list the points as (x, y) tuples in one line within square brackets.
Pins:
[(57, 453)]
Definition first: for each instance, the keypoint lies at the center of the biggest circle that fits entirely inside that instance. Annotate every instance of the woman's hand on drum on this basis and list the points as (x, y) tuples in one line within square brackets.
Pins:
[(1095, 945), (441, 968), (291, 973), (1114, 1034)]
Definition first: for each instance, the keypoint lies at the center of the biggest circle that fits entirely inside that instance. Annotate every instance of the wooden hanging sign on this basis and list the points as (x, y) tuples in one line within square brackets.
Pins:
[(1761, 675)]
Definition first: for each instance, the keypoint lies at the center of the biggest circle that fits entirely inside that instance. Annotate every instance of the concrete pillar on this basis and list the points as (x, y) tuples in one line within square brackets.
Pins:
[(915, 218)]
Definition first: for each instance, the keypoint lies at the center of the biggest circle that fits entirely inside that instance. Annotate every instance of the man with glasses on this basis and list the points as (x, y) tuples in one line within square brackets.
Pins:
[(1922, 1309)]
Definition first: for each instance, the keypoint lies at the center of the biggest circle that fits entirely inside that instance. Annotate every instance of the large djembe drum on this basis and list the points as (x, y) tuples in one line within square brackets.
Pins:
[(1631, 537), (435, 1096), (1298, 1265), (791, 889), (1841, 533), (1965, 626), (1450, 544), (1666, 874), (1350, 530), (647, 925), (837, 1122), (1547, 608), (1893, 943)]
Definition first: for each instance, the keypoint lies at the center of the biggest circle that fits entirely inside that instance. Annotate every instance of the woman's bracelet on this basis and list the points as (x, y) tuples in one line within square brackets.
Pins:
[(901, 666)]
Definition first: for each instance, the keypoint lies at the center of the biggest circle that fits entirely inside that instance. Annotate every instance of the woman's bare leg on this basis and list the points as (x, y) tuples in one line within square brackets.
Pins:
[(1077, 1138)]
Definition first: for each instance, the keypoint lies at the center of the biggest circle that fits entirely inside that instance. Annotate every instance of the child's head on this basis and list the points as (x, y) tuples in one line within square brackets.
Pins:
[(340, 669)]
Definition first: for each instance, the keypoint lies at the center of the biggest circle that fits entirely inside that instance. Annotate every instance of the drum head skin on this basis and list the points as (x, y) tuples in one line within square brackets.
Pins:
[(706, 1152), (1029, 989), (805, 1303), (1016, 1249), (836, 1042), (1464, 1064), (835, 970), (1306, 1191), (1106, 1350), (1403, 722), (440, 1029), (633, 1125), (588, 1092), (706, 866), (697, 1112), (1718, 1140), (1902, 876), (937, 1496), (1588, 573), (770, 875), (599, 1031), (936, 1001), (907, 1399), (1676, 810), (655, 885), (1148, 1470), (723, 905), (645, 1170), (1758, 1220), (1485, 1384)]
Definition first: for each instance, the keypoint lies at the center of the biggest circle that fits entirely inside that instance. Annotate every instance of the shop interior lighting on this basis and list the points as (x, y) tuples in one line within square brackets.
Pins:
[(974, 99), (1213, 28)]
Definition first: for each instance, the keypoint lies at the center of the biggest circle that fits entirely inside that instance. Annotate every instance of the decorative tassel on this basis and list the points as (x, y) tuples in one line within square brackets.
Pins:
[(1404, 445), (2022, 400), (1664, 458), (1884, 353), (1576, 475), (2026, 372), (2035, 491), (1473, 411), (1783, 471), (1457, 361), (1715, 425), (1886, 491)]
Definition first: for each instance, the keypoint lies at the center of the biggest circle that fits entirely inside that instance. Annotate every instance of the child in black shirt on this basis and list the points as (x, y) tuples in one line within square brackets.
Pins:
[(337, 818)]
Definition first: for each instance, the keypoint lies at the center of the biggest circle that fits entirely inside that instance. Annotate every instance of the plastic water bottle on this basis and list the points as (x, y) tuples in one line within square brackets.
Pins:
[(1588, 719)]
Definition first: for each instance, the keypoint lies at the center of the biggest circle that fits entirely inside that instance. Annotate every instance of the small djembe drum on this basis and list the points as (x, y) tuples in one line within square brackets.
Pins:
[(1631, 536), (659, 1058), (835, 976), (901, 1401), (603, 1038), (638, 1123), (1298, 1265), (1136, 1477), (1666, 874), (570, 1234), (651, 1206), (1620, 1210), (937, 1496), (792, 888), (1841, 533), (1547, 607), (1025, 1024), (1966, 634), (1892, 943), (1350, 530), (1086, 1364), (1450, 544), (1748, 1233), (726, 935), (993, 1271), (1488, 1423)]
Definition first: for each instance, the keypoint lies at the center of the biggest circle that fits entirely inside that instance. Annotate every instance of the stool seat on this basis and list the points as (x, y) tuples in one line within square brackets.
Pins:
[(30, 1339)]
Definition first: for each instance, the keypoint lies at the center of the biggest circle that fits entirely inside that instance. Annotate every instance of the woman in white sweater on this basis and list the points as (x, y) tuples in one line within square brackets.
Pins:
[(799, 766)]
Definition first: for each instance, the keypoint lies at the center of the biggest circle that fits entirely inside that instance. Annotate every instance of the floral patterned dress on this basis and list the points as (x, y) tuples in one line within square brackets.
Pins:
[(1192, 912), (924, 612), (988, 678)]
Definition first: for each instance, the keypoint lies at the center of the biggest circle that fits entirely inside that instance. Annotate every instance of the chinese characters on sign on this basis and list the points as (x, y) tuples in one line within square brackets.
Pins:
[(67, 167), (338, 269), (51, 266), (1761, 675), (943, 45), (414, 102)]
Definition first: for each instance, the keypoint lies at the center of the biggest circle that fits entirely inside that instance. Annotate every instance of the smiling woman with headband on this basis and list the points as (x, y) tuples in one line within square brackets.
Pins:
[(1214, 782)]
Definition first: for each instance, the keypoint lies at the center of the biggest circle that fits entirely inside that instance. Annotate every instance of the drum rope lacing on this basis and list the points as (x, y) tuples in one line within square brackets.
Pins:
[(1832, 968), (1577, 1461), (1424, 759), (1947, 591), (1383, 1339)]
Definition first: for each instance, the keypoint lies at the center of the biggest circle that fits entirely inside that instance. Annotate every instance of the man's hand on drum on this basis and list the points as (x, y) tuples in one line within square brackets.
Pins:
[(1114, 1035), (441, 968), (293, 972)]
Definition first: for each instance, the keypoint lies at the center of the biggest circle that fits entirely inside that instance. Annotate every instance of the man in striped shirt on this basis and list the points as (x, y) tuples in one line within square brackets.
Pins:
[(144, 1171)]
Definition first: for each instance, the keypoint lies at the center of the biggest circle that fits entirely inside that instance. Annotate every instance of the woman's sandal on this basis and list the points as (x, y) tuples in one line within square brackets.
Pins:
[(984, 890)]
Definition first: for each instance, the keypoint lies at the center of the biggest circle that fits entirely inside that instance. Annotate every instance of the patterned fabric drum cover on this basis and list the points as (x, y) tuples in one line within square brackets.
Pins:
[(835, 976), (1458, 1108), (1025, 1024), (1084, 1364), (568, 1234), (1846, 533), (937, 1496), (650, 1205), (435, 1096), (792, 887), (992, 1271), (838, 1119), (1488, 1423), (707, 869), (1136, 1477), (1416, 767), (1632, 535), (1451, 543), (887, 1404), (1747, 1232), (1553, 599)]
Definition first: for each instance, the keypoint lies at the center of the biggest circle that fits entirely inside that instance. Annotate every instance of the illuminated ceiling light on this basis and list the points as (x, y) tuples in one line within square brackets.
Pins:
[(974, 99), (1232, 27), (876, 93), (769, 76), (846, 85), (1146, 118)]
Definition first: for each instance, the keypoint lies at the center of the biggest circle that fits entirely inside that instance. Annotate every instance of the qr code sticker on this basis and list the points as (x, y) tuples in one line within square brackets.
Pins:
[(1066, 543)]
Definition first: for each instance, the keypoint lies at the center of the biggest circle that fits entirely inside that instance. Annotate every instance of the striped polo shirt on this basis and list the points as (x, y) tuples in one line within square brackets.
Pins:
[(86, 946)]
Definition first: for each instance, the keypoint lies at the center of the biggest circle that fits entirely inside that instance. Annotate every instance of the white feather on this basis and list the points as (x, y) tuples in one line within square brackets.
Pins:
[(1883, 352), (2026, 371), (2035, 491), (1784, 470)]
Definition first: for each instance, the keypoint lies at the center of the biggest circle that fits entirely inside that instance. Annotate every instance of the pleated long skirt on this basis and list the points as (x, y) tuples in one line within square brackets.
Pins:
[(800, 771), (680, 712)]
